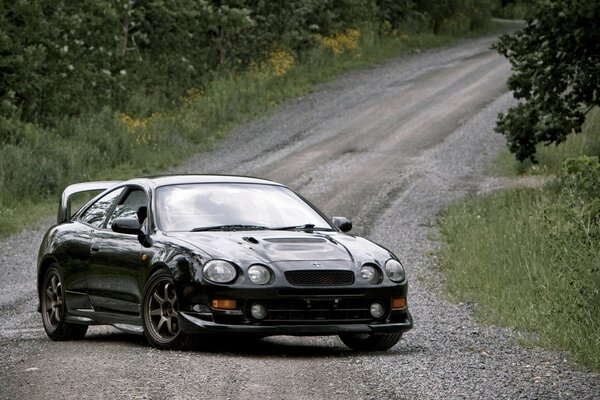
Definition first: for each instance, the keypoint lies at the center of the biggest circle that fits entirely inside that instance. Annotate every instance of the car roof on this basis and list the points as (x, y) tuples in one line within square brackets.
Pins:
[(166, 180)]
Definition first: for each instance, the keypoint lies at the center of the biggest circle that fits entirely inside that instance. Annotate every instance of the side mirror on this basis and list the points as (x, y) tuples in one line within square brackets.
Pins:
[(129, 226), (343, 224)]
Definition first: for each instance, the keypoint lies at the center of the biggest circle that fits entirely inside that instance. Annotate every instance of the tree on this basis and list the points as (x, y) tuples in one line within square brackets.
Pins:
[(556, 74)]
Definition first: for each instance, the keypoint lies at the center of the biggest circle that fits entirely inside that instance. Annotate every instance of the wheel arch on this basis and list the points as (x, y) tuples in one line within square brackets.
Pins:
[(44, 265), (155, 267)]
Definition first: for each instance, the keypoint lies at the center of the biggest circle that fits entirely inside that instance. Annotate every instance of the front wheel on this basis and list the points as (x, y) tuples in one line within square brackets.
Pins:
[(371, 341), (53, 307), (160, 313)]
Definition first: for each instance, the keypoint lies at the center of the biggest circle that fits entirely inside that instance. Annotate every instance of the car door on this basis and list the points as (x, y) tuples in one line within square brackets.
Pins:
[(115, 261), (76, 250)]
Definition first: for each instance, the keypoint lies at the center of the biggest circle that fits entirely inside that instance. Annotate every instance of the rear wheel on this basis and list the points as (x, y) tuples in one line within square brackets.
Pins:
[(371, 341), (54, 310), (160, 313)]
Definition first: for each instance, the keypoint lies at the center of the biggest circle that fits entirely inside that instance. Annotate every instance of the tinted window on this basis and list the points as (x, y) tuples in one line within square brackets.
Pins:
[(129, 206), (96, 213)]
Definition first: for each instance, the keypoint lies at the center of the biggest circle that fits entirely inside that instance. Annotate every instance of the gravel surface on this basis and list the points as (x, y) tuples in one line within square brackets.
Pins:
[(389, 146)]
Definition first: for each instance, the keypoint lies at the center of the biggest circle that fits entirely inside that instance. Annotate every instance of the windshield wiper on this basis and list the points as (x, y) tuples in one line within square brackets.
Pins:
[(305, 227), (229, 228)]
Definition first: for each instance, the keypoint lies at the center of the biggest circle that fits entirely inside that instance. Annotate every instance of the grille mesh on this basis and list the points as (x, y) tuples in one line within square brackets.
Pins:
[(320, 278)]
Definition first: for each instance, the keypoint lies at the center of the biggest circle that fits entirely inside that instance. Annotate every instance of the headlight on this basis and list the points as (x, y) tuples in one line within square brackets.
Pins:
[(219, 271), (370, 274), (395, 270), (259, 274)]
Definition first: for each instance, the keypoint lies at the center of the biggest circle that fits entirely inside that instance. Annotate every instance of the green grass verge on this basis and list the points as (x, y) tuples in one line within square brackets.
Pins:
[(501, 254), (112, 145), (529, 257)]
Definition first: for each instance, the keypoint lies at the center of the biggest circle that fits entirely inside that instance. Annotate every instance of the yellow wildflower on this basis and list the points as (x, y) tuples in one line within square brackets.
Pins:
[(341, 42), (137, 127), (281, 61)]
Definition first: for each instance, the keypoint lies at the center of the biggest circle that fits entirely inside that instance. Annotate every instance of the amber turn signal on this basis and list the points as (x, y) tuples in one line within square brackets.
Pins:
[(224, 304), (398, 302)]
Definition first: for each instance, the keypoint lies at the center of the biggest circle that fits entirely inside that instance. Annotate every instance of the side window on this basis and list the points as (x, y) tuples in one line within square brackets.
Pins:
[(129, 205), (96, 213)]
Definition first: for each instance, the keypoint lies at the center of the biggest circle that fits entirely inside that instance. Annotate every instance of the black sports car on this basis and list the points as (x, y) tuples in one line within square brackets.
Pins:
[(174, 256)]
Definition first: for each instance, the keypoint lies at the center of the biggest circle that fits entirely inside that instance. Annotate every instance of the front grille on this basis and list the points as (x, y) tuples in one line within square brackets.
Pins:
[(320, 278), (318, 310)]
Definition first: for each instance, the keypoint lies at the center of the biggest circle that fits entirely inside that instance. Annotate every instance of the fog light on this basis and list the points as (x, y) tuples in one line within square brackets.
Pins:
[(201, 308), (377, 310), (258, 311), (224, 304)]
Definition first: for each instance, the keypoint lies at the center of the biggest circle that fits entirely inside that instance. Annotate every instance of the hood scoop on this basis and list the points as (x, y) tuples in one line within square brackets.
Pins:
[(302, 248), (295, 240), (250, 239)]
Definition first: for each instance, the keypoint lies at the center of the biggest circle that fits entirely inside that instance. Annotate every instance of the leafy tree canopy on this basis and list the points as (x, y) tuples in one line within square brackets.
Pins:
[(556, 74)]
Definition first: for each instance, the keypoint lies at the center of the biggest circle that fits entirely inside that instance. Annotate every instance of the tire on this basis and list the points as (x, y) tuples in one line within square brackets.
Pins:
[(160, 313), (371, 342), (54, 309)]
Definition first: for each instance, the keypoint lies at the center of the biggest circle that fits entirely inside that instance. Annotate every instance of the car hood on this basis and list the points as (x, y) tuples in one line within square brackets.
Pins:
[(246, 247)]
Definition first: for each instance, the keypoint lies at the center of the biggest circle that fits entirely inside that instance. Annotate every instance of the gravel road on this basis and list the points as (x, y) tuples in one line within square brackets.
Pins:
[(389, 146)]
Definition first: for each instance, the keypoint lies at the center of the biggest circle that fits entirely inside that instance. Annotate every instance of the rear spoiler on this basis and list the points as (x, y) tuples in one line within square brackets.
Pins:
[(64, 208)]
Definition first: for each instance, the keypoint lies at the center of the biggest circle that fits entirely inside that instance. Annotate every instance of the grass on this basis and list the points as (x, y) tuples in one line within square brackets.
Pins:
[(529, 257), (40, 162)]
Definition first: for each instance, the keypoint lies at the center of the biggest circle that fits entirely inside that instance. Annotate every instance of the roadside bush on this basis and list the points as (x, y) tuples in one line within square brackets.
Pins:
[(455, 16), (514, 9), (575, 217)]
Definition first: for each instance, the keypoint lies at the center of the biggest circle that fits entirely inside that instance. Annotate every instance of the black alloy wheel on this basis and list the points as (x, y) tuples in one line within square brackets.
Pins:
[(160, 313), (53, 307), (371, 341)]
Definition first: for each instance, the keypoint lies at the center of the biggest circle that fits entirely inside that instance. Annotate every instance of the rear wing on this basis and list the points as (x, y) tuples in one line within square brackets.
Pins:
[(64, 207)]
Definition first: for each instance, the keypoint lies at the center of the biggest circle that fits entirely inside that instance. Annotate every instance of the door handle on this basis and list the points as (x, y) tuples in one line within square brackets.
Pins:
[(95, 247)]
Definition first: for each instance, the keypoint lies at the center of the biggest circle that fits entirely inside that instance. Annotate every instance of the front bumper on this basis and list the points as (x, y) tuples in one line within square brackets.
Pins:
[(194, 324), (296, 311)]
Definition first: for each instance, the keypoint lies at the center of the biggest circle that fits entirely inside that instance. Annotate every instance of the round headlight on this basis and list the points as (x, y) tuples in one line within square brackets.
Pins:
[(259, 274), (219, 271), (395, 270), (369, 273)]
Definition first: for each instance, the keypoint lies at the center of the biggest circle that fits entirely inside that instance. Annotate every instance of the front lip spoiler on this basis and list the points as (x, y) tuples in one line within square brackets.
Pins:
[(197, 325)]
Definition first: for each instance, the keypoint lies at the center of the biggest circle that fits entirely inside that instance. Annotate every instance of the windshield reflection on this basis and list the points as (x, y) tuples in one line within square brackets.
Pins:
[(190, 207)]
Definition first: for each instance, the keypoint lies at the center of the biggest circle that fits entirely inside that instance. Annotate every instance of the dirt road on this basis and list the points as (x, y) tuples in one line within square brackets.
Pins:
[(388, 146)]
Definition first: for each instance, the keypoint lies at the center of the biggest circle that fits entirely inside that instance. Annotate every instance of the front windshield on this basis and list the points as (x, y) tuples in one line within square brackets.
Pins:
[(202, 206)]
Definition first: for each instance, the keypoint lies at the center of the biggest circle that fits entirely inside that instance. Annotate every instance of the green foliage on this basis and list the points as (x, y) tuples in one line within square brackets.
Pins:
[(455, 16), (401, 16), (556, 63), (551, 158), (580, 176), (63, 58), (514, 9)]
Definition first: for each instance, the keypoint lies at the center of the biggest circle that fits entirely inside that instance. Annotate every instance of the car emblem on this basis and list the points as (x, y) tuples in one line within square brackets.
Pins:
[(316, 264)]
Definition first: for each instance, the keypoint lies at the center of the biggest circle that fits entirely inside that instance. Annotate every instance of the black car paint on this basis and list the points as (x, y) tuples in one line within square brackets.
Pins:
[(105, 271)]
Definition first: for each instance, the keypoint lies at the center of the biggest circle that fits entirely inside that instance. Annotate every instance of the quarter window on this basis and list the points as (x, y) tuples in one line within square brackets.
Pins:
[(96, 213)]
